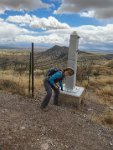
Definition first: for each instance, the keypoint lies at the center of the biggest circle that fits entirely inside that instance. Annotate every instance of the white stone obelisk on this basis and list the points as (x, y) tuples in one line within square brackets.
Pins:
[(70, 88), (72, 60)]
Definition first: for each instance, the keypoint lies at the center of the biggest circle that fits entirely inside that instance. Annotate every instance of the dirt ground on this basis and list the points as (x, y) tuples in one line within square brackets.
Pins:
[(23, 126)]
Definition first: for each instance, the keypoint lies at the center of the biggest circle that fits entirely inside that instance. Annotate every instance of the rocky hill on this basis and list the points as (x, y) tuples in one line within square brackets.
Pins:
[(58, 55), (52, 57), (55, 56), (58, 52)]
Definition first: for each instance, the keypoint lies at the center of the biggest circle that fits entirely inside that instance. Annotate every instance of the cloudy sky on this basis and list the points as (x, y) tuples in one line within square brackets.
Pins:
[(50, 22)]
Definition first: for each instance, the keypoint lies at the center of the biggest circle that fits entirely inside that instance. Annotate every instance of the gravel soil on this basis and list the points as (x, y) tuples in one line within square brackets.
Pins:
[(24, 126)]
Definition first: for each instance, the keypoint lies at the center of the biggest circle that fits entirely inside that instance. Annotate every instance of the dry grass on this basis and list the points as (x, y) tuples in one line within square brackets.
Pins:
[(101, 81), (110, 64), (108, 119), (104, 88), (107, 90), (15, 83), (13, 53), (104, 80), (101, 87), (104, 119), (100, 90)]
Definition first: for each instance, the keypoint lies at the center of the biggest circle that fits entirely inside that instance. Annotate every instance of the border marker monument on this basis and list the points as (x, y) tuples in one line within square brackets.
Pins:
[(71, 91)]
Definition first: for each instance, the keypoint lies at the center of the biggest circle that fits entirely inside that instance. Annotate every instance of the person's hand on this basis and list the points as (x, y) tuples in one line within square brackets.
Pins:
[(56, 87)]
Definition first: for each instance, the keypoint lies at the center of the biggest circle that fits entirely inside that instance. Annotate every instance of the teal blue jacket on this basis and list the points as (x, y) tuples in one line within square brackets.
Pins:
[(57, 77)]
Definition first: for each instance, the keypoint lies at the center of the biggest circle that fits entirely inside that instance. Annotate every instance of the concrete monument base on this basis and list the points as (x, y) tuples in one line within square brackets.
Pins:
[(72, 97)]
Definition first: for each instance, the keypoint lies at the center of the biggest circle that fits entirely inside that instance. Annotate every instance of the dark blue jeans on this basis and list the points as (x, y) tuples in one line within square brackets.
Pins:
[(49, 89)]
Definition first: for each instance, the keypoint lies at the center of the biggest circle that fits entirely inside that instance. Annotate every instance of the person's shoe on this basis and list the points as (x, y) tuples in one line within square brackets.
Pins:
[(57, 104), (44, 109)]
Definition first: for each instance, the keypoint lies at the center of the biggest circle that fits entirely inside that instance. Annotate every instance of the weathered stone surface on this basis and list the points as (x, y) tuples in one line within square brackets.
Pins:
[(72, 60), (69, 100), (72, 97), (72, 94)]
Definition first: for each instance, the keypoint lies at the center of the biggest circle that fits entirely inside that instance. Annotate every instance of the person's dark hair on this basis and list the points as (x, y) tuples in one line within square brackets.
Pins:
[(71, 71)]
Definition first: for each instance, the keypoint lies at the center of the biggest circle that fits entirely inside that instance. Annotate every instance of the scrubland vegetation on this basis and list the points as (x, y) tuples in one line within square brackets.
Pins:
[(13, 82), (95, 75), (98, 81), (14, 73)]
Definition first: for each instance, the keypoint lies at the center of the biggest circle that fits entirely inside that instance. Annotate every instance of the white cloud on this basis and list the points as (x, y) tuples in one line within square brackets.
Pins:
[(1, 20), (90, 36), (49, 23), (101, 8), (46, 39), (8, 31), (2, 11), (22, 4), (20, 19), (11, 33), (35, 22), (89, 14)]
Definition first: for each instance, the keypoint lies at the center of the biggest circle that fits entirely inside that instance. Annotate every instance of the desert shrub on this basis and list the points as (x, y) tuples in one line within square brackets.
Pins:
[(109, 72), (96, 72), (107, 119), (4, 64), (39, 72), (7, 84), (102, 81), (11, 86), (106, 91), (110, 64), (84, 70), (11, 81), (20, 68)]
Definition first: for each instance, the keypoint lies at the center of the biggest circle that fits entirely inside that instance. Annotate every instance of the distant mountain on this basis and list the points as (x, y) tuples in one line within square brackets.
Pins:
[(52, 56), (58, 52), (56, 55), (7, 47), (61, 51), (100, 51)]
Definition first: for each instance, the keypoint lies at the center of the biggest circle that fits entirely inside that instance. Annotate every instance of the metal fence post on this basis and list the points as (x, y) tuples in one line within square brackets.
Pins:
[(30, 74), (32, 56)]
